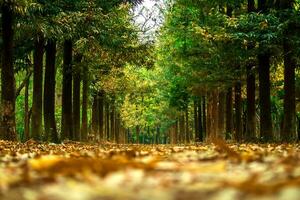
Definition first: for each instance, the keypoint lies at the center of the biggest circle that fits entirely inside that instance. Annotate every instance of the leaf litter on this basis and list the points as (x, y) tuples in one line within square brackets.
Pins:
[(39, 171)]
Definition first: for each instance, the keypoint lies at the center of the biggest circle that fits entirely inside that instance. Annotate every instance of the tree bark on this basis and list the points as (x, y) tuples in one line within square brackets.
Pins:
[(215, 114), (158, 135), (221, 114), (251, 6), (200, 120), (76, 98), (84, 106), (266, 130), (264, 97), (112, 121), (49, 93), (67, 106), (95, 116), (37, 99), (251, 122), (288, 132), (181, 128), (137, 128), (187, 131), (262, 6), (238, 112), (176, 133), (117, 128), (8, 84), (196, 119), (251, 114), (204, 117), (229, 113), (107, 108), (26, 111), (209, 120), (101, 115)]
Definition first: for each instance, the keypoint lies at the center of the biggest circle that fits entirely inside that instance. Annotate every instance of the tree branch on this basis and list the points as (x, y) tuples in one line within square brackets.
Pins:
[(20, 88)]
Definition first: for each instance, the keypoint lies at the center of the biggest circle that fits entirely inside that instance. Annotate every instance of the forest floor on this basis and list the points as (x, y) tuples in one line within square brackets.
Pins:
[(36, 171)]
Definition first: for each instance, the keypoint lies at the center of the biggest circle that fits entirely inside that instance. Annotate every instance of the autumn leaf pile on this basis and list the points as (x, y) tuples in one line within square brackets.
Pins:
[(38, 171)]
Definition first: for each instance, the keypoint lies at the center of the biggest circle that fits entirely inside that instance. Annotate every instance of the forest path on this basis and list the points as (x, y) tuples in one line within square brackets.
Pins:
[(107, 171)]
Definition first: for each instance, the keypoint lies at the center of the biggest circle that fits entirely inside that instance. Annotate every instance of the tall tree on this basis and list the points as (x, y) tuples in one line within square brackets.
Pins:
[(49, 92), (251, 114), (221, 115), (238, 111), (266, 130), (95, 116), (76, 97), (37, 99), (8, 100), (101, 115), (67, 106), (84, 106), (196, 119), (288, 132), (229, 113), (251, 111), (200, 120)]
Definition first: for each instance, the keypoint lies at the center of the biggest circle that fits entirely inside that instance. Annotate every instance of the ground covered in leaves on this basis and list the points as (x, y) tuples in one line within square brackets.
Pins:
[(36, 171)]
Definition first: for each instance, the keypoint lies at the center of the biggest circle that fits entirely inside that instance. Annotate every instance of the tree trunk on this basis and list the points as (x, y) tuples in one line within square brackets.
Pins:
[(262, 6), (204, 117), (229, 113), (37, 99), (221, 113), (266, 131), (215, 114), (76, 98), (196, 120), (176, 133), (49, 93), (26, 111), (251, 114), (95, 117), (238, 112), (101, 115), (187, 131), (112, 121), (107, 120), (126, 136), (137, 128), (85, 92), (181, 128), (8, 84), (200, 124), (251, 6), (251, 122), (264, 97), (158, 135), (117, 128), (67, 106), (288, 132), (209, 121)]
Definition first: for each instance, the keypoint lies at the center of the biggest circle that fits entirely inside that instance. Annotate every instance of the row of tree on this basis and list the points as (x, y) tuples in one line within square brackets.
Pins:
[(86, 38), (217, 69), (219, 52)]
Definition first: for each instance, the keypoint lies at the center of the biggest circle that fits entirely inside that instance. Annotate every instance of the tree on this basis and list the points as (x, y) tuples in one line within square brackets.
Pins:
[(8, 124), (76, 96), (288, 132), (37, 103), (67, 112), (49, 93), (266, 129), (251, 88)]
